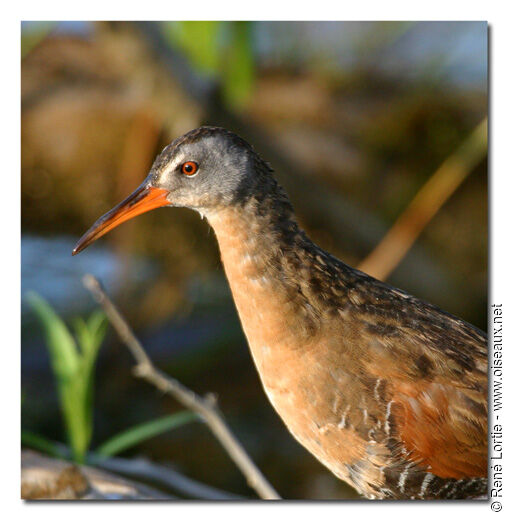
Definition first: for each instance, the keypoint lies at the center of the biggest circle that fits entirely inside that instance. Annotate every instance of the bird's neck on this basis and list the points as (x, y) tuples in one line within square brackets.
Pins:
[(256, 237), (271, 267)]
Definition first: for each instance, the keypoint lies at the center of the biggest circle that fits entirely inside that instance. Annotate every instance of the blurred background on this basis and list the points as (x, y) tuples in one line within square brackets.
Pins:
[(355, 118)]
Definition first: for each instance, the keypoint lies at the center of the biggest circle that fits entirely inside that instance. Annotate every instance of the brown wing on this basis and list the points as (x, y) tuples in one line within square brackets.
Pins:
[(443, 428), (438, 389)]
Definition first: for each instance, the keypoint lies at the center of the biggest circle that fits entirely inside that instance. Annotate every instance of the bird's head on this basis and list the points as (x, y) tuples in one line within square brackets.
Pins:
[(205, 169)]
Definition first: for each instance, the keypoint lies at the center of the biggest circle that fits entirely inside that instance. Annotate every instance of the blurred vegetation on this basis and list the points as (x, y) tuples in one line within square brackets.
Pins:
[(142, 432), (35, 36), (73, 361), (354, 117), (220, 50)]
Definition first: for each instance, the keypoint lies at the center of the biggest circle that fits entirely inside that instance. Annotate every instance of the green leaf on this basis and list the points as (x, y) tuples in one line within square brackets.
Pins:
[(61, 345), (73, 367), (40, 443), (144, 431), (90, 336), (98, 325), (238, 73), (199, 40), (77, 420), (82, 334), (221, 50)]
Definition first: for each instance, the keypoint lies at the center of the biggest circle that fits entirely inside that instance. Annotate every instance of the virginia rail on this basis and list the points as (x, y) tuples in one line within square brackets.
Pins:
[(387, 391)]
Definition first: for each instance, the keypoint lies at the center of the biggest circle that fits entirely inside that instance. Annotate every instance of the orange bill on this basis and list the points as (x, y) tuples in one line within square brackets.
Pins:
[(140, 201)]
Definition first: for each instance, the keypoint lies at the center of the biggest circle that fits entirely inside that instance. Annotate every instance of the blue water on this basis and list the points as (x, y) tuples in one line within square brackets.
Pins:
[(48, 268)]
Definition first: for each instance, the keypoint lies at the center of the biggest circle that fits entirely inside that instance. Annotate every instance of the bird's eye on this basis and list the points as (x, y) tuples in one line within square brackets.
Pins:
[(189, 168)]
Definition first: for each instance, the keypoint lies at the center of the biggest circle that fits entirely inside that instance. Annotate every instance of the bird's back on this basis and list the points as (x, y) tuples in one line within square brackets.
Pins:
[(412, 381)]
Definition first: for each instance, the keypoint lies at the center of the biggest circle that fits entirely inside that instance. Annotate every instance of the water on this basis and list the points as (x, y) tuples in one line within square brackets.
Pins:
[(48, 268)]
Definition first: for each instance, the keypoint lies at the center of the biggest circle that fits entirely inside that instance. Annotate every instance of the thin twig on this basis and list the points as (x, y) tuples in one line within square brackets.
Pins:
[(205, 407), (148, 471), (427, 202)]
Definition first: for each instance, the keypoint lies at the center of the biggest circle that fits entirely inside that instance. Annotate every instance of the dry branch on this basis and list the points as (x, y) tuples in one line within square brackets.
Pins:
[(46, 478), (161, 475), (427, 202), (204, 407)]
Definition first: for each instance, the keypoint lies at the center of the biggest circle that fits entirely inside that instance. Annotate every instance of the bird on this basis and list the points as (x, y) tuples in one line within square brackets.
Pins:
[(387, 391)]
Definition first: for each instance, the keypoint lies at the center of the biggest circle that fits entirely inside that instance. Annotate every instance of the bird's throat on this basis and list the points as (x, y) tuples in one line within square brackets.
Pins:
[(260, 249)]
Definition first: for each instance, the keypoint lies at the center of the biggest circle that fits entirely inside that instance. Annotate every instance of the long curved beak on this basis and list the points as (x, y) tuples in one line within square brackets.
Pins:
[(144, 199)]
